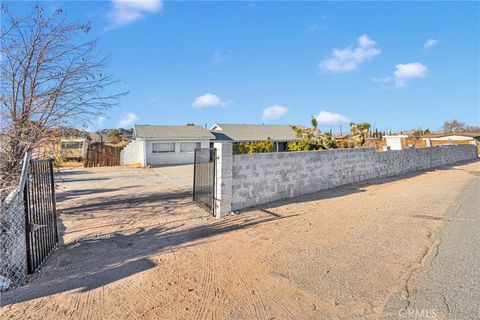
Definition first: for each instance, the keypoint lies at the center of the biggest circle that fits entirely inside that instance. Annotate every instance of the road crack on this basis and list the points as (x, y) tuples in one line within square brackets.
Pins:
[(434, 247), (445, 301)]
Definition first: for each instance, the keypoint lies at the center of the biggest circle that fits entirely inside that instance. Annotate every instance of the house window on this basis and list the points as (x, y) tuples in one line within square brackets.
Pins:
[(71, 145), (189, 146), (163, 147)]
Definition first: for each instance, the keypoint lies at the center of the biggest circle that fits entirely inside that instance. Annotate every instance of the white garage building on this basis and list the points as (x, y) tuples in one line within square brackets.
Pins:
[(164, 145)]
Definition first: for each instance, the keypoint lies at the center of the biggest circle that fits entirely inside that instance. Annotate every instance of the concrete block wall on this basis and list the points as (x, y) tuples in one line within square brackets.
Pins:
[(267, 177)]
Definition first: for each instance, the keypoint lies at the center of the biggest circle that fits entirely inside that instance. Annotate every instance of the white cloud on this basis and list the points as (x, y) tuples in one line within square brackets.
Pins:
[(429, 43), (404, 73), (408, 71), (221, 55), (209, 100), (348, 59), (125, 12), (328, 118), (274, 112), (384, 79), (128, 120)]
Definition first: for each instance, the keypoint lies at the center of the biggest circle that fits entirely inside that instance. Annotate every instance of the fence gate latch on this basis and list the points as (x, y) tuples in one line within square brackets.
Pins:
[(34, 227)]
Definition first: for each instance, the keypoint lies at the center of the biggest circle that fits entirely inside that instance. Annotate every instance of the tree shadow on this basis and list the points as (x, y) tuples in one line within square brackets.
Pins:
[(165, 200), (64, 173), (66, 180), (92, 263), (72, 194)]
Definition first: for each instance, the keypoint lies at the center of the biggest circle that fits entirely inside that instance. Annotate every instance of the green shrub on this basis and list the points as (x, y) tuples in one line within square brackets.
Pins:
[(253, 147), (299, 146), (313, 138)]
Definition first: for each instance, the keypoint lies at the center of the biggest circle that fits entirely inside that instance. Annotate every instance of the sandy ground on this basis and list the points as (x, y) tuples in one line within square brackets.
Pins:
[(136, 247)]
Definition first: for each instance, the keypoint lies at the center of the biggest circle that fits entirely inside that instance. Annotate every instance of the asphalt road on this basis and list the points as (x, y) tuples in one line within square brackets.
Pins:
[(448, 286)]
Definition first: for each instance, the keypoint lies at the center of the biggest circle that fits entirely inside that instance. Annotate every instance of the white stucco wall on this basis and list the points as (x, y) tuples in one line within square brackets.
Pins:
[(132, 153), (177, 157), (395, 142), (454, 137)]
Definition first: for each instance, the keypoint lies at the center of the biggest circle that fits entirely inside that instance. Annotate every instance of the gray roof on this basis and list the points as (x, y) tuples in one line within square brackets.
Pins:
[(167, 132), (221, 136), (255, 132)]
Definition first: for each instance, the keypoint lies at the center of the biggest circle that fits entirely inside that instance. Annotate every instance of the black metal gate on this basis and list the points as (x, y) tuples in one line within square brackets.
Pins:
[(204, 178), (40, 213)]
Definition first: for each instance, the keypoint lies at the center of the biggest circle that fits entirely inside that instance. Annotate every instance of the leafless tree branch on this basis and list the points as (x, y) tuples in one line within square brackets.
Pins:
[(50, 78)]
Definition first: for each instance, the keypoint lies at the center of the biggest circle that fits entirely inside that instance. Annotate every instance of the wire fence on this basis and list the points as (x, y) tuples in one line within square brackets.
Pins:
[(13, 260)]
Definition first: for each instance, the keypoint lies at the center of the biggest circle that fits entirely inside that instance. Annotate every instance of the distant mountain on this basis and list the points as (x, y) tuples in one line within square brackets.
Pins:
[(102, 135), (73, 132), (123, 132)]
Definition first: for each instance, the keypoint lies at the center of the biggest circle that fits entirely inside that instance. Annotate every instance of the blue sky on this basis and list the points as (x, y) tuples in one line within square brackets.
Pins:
[(396, 65)]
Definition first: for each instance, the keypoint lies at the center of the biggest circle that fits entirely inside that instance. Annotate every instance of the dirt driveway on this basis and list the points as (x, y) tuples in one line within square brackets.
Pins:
[(136, 247)]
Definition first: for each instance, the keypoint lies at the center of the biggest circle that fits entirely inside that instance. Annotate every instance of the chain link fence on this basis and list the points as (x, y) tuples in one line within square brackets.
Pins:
[(13, 260)]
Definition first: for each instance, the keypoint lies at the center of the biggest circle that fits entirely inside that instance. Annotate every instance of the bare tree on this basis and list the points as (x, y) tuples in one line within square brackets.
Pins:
[(453, 126), (458, 126), (51, 78)]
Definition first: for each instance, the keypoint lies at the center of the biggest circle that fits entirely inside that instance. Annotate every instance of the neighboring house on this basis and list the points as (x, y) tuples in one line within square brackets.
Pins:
[(164, 145), (74, 148), (396, 142), (452, 138), (280, 134), (399, 142), (403, 141)]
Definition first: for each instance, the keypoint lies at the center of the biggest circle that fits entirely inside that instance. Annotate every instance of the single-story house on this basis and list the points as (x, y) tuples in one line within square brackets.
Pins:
[(164, 145), (452, 138), (280, 134), (399, 142)]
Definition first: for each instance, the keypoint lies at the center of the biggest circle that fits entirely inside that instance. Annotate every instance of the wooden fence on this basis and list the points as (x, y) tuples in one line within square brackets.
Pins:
[(99, 155)]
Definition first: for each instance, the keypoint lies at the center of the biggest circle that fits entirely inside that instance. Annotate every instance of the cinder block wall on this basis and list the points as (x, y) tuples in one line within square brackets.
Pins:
[(266, 177)]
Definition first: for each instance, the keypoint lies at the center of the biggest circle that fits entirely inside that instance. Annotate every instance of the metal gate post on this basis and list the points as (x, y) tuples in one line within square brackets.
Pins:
[(194, 171), (54, 201), (26, 202), (214, 180)]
